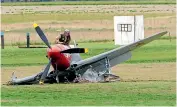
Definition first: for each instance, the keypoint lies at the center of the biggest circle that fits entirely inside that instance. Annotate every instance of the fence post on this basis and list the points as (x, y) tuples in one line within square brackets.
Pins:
[(28, 39), (2, 40)]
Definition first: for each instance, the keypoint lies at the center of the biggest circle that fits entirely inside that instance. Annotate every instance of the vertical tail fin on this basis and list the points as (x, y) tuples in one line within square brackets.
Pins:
[(13, 76), (75, 44)]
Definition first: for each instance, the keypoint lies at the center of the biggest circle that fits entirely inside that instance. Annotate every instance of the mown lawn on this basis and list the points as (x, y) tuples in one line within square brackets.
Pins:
[(156, 51), (57, 16), (154, 93)]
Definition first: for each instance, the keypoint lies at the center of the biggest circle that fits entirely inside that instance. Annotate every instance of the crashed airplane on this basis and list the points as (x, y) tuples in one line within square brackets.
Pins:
[(69, 67)]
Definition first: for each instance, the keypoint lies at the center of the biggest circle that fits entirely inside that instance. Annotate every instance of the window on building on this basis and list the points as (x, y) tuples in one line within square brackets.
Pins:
[(124, 27)]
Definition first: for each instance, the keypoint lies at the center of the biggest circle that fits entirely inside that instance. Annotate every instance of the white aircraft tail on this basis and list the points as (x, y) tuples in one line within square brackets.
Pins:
[(13, 76), (75, 44)]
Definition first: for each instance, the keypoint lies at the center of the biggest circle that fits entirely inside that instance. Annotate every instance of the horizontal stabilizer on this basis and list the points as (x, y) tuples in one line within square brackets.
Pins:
[(75, 50), (26, 80)]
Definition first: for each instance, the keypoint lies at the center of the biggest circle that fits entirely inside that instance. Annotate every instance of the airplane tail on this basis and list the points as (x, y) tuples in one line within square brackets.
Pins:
[(12, 79), (26, 80), (75, 44), (13, 76)]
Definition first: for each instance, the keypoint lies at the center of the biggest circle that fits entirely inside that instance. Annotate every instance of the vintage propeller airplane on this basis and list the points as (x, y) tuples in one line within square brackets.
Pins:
[(69, 67)]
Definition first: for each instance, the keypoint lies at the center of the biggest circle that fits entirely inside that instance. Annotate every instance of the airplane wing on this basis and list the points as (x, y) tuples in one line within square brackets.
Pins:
[(114, 56)]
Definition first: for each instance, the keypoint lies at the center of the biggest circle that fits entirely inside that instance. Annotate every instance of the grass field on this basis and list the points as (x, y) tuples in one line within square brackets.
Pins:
[(19, 18), (120, 2), (147, 54), (73, 16), (147, 79), (97, 94)]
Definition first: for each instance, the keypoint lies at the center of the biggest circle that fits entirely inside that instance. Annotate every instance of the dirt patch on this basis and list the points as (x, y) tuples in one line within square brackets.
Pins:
[(12, 38), (6, 101), (144, 72), (127, 72), (6, 72)]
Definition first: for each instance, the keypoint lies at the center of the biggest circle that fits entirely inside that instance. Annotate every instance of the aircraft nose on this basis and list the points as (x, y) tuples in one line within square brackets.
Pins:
[(53, 51)]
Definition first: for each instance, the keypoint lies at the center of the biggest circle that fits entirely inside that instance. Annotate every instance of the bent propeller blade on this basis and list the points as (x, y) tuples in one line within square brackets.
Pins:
[(44, 75), (41, 34)]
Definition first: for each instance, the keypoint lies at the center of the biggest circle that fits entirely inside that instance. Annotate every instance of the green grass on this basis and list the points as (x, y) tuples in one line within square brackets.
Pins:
[(144, 93), (20, 18), (154, 93), (120, 2), (156, 51), (60, 17)]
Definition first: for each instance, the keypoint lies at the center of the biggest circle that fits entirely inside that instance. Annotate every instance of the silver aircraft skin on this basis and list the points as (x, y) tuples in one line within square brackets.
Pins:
[(93, 69)]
